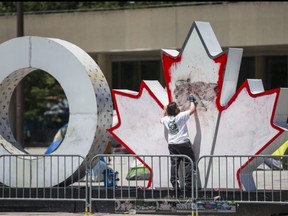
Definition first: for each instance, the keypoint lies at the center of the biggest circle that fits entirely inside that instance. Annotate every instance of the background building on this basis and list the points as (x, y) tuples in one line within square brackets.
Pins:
[(126, 42)]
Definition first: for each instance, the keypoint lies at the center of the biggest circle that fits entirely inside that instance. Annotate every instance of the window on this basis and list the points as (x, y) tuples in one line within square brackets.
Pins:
[(247, 70), (129, 74), (276, 72)]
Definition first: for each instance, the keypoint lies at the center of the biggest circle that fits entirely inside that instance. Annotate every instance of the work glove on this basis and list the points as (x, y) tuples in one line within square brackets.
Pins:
[(191, 98)]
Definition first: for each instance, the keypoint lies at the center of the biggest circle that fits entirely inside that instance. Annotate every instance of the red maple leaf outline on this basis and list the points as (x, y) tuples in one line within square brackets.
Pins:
[(168, 61), (268, 92), (143, 85)]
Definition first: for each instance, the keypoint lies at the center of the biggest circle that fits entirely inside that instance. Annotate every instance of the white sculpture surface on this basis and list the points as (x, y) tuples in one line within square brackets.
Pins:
[(90, 107)]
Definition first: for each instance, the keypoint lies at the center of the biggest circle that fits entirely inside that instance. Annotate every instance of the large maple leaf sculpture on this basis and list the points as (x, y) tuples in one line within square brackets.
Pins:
[(138, 128), (226, 122)]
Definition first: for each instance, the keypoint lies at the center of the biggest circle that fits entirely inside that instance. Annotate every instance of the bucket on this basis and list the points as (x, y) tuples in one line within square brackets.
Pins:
[(110, 178)]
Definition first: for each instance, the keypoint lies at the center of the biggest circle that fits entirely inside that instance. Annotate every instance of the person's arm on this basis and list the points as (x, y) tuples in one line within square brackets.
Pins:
[(193, 104), (164, 114), (192, 108), (165, 111)]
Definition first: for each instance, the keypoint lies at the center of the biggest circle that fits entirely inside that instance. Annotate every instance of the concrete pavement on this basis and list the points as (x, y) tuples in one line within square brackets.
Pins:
[(64, 214)]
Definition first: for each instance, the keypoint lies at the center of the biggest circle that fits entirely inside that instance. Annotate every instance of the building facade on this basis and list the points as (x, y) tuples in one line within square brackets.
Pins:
[(126, 44)]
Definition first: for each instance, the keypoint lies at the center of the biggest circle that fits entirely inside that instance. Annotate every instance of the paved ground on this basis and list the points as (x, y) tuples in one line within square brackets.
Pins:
[(44, 214), (63, 214)]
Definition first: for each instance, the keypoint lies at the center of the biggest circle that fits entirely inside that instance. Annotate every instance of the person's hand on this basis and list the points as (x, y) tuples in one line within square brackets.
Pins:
[(191, 98)]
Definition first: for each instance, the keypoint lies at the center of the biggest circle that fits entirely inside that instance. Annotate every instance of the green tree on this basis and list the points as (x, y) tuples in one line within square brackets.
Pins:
[(7, 7), (41, 92)]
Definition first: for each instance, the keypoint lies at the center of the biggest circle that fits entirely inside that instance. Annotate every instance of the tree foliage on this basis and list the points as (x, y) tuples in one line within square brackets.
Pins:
[(7, 7), (41, 93)]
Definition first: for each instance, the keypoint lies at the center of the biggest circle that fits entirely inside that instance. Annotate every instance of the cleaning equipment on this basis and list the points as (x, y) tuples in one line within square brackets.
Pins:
[(110, 177), (137, 171), (282, 150)]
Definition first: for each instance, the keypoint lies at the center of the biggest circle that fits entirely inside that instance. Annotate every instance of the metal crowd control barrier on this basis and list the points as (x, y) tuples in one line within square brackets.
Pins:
[(217, 183), (244, 178), (140, 182), (32, 177), (143, 182)]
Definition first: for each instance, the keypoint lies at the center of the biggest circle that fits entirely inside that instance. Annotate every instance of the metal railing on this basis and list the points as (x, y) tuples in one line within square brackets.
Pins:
[(131, 179), (244, 178), (43, 177), (125, 178), (148, 173)]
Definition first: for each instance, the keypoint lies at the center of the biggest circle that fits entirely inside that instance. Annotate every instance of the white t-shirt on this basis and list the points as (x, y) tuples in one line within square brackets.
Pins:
[(177, 128)]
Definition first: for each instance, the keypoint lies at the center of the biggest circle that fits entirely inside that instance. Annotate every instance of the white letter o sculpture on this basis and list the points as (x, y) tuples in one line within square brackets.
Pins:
[(90, 107)]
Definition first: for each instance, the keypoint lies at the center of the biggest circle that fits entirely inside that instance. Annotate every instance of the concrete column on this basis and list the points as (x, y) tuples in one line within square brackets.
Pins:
[(105, 64), (260, 70)]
